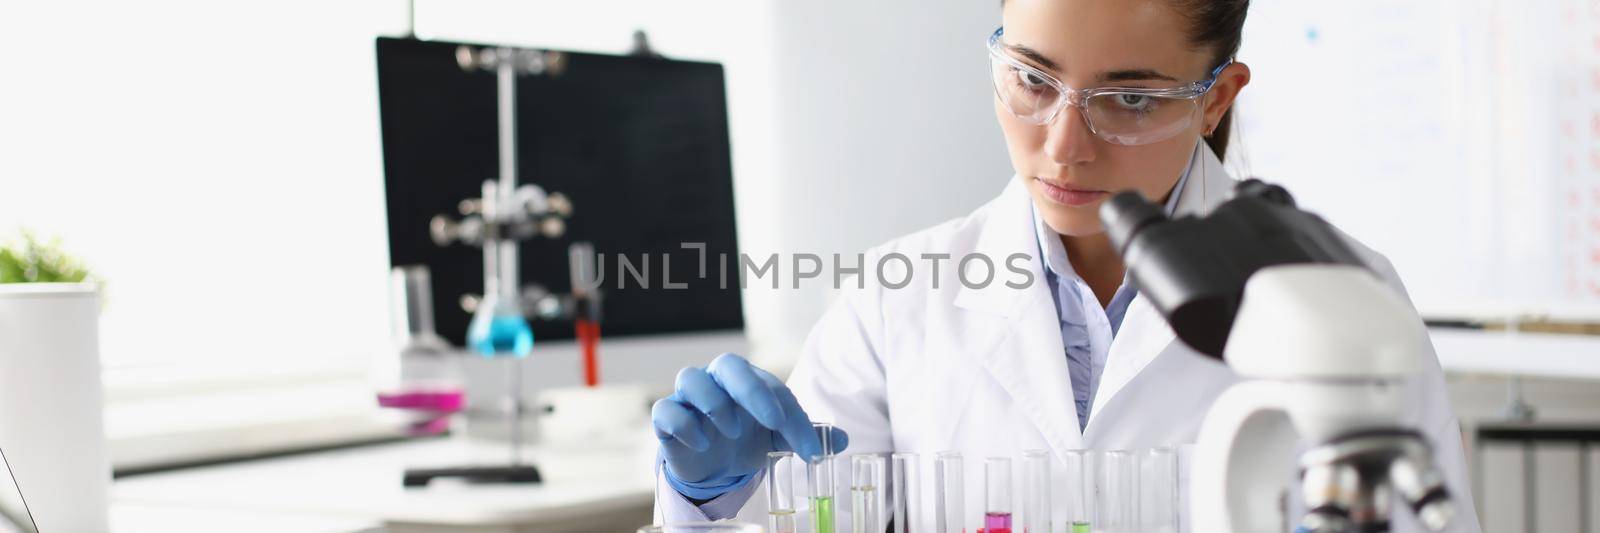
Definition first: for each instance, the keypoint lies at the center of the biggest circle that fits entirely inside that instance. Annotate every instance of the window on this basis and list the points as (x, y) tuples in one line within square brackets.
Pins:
[(218, 165)]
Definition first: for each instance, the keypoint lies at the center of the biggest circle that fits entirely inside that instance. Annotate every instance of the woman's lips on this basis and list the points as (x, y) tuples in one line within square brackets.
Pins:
[(1069, 195)]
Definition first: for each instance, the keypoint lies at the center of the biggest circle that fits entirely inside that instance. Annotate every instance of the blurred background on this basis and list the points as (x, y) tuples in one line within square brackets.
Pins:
[(220, 167)]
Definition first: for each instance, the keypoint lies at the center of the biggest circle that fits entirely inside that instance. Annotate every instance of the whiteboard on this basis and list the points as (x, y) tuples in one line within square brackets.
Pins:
[(1461, 138)]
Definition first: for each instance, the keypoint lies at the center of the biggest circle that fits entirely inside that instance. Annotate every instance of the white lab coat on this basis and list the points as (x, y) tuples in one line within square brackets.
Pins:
[(984, 372)]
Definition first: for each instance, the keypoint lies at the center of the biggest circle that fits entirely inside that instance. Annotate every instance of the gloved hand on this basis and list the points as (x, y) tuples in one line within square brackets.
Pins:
[(721, 421)]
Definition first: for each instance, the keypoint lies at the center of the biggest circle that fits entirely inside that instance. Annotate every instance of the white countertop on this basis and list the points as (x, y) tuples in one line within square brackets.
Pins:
[(347, 487), (1544, 355)]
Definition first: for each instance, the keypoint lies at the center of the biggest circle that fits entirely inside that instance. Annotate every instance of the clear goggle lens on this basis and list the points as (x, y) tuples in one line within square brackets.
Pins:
[(1127, 118)]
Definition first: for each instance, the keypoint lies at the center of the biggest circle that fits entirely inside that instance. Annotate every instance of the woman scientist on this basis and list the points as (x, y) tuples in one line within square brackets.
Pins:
[(1094, 97)]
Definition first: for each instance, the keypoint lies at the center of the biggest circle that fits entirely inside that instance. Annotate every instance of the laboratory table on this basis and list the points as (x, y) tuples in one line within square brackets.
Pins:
[(591, 488)]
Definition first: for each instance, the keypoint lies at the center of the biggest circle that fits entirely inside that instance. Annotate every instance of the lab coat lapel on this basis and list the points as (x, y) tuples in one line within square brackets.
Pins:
[(1144, 333), (1027, 357)]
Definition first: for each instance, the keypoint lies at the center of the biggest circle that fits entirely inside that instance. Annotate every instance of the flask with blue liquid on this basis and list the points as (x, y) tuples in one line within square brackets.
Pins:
[(498, 329)]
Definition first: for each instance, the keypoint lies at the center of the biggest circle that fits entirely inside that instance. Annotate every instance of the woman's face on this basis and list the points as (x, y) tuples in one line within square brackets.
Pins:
[(1104, 43)]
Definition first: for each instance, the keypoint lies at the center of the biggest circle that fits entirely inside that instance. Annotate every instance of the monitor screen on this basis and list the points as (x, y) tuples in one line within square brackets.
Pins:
[(639, 145)]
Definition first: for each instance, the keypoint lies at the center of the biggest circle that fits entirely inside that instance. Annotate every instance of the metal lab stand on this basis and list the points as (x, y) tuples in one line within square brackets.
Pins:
[(504, 215)]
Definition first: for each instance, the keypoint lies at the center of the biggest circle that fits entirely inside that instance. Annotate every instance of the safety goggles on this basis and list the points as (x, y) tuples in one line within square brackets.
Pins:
[(1120, 115)]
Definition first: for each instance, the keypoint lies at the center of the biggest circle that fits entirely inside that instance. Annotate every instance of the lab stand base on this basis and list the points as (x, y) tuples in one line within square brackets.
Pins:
[(420, 477)]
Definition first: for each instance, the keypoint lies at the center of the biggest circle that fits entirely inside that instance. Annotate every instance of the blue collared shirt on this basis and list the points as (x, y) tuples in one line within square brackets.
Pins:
[(1086, 328)]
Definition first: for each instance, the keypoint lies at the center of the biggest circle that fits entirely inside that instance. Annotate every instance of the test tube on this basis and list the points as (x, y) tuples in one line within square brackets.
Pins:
[(1079, 470), (780, 492), (866, 493), (997, 495), (948, 495), (820, 474), (1158, 491), (1118, 504), (904, 490), (1036, 499)]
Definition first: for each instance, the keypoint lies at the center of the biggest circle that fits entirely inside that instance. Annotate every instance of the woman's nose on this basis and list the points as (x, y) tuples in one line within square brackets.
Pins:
[(1068, 140)]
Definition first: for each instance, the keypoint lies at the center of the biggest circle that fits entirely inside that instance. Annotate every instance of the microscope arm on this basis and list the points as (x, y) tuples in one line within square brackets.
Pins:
[(1244, 458)]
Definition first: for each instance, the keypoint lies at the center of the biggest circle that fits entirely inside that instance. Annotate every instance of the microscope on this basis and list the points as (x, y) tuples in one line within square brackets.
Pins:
[(1324, 346)]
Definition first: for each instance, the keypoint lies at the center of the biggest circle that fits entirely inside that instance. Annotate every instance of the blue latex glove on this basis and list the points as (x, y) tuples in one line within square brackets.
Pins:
[(721, 421)]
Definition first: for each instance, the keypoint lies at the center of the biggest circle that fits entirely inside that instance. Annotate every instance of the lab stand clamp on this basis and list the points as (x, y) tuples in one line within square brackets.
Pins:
[(533, 214), (530, 213)]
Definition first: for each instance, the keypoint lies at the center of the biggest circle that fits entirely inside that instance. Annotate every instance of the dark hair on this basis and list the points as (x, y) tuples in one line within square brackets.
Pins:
[(1218, 25)]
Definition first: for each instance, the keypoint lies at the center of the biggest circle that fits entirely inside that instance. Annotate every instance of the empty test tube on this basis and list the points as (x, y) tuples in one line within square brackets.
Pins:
[(866, 493), (905, 489), (1036, 495), (780, 492), (1079, 470), (820, 474), (1118, 506), (948, 493), (997, 495), (1158, 491)]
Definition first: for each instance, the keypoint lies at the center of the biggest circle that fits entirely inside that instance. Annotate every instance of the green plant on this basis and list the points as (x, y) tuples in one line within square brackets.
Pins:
[(34, 261)]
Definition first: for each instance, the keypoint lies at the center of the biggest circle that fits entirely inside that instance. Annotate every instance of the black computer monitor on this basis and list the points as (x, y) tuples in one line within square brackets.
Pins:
[(639, 144)]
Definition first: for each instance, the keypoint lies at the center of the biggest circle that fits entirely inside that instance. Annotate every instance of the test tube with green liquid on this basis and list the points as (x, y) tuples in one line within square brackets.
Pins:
[(1080, 490), (820, 475)]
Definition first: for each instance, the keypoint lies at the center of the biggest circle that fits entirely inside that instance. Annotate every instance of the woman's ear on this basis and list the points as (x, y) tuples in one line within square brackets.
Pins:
[(1222, 93)]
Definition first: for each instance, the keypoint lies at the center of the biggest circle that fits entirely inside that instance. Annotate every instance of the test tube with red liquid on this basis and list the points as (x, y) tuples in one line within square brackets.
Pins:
[(997, 495)]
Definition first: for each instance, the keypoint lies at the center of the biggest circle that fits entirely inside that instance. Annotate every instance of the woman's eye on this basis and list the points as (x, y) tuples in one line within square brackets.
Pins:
[(1031, 81), (1137, 102)]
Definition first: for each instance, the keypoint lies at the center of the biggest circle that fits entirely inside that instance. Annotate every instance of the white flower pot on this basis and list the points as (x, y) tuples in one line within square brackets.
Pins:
[(51, 404)]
